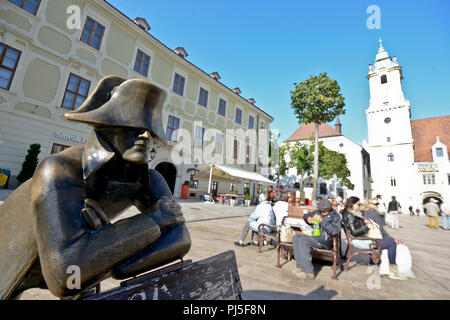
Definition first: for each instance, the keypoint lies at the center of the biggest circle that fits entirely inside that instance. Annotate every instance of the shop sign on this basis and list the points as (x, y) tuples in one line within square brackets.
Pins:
[(63, 136)]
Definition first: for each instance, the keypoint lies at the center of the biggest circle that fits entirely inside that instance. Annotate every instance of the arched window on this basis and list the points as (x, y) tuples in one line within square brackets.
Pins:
[(391, 157), (383, 79)]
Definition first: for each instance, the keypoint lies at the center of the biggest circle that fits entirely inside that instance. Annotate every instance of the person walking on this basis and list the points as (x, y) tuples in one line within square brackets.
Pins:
[(411, 212), (432, 211), (393, 209), (445, 207), (381, 209)]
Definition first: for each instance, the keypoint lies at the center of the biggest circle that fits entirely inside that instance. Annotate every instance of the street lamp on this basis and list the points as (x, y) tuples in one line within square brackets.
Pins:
[(193, 171), (211, 165)]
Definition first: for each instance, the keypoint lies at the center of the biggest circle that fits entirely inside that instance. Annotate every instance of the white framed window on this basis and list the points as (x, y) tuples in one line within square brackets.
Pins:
[(222, 107), (199, 136), (218, 149), (178, 84), (173, 124), (429, 178)]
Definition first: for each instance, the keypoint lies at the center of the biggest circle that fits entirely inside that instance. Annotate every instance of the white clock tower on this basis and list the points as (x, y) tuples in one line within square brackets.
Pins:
[(390, 142)]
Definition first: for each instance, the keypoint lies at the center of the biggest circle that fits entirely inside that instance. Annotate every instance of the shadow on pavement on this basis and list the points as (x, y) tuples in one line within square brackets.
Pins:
[(318, 294)]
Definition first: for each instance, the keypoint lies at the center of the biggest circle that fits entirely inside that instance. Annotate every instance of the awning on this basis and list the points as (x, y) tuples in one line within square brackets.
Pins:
[(231, 175)]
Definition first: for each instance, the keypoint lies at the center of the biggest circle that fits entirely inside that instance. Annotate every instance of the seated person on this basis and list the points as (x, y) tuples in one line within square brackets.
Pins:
[(281, 210), (358, 224), (262, 214), (330, 226)]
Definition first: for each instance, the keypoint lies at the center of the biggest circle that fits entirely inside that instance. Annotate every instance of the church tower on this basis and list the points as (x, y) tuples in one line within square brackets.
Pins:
[(390, 141)]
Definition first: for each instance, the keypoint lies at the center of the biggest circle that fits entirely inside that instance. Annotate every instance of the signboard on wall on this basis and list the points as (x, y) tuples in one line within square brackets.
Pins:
[(60, 135)]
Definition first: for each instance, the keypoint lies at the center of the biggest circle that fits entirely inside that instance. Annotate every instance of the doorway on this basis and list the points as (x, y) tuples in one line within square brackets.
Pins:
[(169, 172)]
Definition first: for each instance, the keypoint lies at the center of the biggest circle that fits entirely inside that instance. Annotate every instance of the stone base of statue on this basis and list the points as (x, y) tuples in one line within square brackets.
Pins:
[(215, 278)]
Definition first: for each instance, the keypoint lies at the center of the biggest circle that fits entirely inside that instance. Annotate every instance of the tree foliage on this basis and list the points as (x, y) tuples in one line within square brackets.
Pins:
[(283, 150), (30, 163), (332, 164), (317, 99)]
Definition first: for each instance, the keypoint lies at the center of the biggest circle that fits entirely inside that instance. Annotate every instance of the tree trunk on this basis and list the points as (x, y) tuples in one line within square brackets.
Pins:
[(316, 164)]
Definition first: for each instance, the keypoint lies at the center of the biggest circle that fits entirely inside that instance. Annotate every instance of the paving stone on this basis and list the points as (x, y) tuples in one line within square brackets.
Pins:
[(262, 280)]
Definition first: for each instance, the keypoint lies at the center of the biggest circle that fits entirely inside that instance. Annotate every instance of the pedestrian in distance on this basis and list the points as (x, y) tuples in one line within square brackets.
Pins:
[(381, 209), (445, 208), (418, 212), (394, 208), (432, 211)]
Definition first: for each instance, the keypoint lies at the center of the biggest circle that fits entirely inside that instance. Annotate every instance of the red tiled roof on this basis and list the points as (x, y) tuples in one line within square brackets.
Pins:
[(424, 133), (307, 130)]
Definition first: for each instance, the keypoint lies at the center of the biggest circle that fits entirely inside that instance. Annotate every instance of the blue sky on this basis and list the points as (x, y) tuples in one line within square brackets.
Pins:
[(263, 47)]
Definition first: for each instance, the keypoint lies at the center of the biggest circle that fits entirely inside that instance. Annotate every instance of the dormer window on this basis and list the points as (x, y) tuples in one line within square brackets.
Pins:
[(142, 23), (439, 152), (383, 79), (215, 76), (237, 90), (251, 100), (181, 52)]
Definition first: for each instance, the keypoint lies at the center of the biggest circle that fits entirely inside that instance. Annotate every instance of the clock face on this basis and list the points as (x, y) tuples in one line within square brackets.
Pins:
[(387, 120)]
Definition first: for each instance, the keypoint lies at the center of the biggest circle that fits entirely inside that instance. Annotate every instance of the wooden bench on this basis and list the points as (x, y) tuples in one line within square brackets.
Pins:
[(286, 249), (374, 252)]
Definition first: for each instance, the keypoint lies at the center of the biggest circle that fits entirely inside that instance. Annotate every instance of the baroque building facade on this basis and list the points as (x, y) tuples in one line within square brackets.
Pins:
[(53, 54)]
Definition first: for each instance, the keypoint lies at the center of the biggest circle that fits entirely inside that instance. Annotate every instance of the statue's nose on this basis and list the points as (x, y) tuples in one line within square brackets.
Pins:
[(145, 136)]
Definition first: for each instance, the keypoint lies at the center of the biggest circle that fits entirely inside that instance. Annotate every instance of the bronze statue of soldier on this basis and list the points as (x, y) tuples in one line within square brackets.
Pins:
[(61, 217)]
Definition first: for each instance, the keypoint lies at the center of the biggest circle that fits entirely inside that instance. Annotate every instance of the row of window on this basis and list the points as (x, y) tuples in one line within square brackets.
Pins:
[(173, 124), (428, 179), (439, 153), (92, 35), (28, 5), (178, 87), (77, 88)]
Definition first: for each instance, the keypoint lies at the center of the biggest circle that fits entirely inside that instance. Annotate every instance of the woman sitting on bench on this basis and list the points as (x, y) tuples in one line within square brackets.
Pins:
[(358, 225)]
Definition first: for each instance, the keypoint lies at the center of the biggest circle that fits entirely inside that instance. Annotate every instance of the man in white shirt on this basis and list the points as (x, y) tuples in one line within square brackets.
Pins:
[(382, 209)]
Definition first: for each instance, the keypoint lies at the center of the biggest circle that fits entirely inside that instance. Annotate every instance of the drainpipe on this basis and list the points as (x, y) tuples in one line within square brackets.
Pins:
[(257, 156)]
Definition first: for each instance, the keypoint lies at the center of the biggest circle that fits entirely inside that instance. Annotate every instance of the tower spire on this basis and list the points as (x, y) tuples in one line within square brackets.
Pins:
[(381, 48), (338, 125)]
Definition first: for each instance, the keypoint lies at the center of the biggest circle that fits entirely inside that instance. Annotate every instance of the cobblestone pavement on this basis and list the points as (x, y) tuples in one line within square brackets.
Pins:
[(214, 228)]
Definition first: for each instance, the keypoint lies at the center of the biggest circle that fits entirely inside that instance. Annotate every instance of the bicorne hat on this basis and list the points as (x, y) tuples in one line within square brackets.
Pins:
[(117, 102)]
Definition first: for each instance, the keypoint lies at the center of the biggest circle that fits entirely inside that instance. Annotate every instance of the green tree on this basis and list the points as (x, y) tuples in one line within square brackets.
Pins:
[(317, 100), (283, 150), (302, 158), (30, 163), (332, 164)]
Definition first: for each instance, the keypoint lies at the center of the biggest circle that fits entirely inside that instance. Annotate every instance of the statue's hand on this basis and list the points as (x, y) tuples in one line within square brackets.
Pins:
[(93, 215), (167, 212)]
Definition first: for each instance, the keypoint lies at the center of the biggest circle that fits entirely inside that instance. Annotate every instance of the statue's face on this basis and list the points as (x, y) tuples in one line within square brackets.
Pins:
[(131, 143)]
